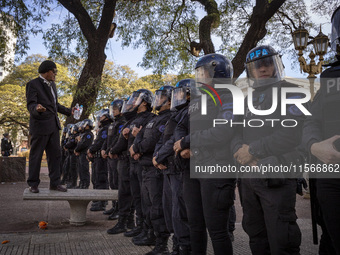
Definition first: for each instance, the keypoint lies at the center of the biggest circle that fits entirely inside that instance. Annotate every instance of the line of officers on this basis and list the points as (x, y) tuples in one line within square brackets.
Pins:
[(144, 147)]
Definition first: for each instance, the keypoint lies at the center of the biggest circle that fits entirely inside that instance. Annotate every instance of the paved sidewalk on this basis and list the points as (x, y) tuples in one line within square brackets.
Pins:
[(19, 225)]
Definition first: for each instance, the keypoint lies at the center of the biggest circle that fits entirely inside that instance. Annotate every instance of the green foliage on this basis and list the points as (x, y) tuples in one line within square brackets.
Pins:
[(13, 111)]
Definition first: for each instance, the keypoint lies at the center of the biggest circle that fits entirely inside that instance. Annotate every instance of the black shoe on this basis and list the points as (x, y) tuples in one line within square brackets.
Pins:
[(113, 216), (142, 235), (134, 232), (98, 207), (60, 188), (149, 239), (161, 247), (120, 227), (108, 212), (34, 189)]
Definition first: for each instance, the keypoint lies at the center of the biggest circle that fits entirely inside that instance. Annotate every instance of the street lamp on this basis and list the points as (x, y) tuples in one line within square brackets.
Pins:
[(320, 43)]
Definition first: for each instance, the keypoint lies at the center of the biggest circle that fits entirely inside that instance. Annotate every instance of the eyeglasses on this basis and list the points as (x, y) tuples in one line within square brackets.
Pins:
[(55, 71)]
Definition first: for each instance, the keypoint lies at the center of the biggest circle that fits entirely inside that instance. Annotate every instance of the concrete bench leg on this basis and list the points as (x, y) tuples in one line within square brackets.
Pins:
[(78, 212)]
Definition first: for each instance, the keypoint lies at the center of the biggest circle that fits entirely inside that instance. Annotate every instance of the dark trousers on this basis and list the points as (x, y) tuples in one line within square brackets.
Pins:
[(175, 213), (269, 217), (73, 173), (136, 180), (51, 144), (152, 189), (84, 172), (124, 191), (328, 194), (93, 173), (113, 173), (102, 181), (208, 202)]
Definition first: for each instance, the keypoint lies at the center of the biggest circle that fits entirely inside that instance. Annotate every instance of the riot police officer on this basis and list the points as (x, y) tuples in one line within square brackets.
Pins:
[(72, 158), (139, 104), (63, 152), (101, 174), (320, 135), (112, 137), (173, 203), (84, 143), (269, 216), (208, 200), (152, 186)]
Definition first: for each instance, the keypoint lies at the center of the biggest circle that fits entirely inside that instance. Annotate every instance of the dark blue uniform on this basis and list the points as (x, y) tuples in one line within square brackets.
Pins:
[(208, 200), (152, 186), (323, 124), (83, 164), (173, 202), (72, 161), (269, 216)]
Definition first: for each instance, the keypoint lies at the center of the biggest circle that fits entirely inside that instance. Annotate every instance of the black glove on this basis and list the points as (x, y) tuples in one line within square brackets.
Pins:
[(301, 182)]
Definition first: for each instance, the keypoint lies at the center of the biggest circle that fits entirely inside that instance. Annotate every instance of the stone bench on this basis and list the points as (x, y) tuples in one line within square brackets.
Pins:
[(77, 198)]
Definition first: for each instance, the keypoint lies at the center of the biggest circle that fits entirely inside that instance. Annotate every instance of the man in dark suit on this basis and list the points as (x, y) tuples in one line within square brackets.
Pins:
[(42, 103)]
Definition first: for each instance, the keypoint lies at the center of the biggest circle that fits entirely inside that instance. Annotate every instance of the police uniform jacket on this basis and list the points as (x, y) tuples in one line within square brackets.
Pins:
[(147, 139), (100, 138), (113, 133), (140, 120), (85, 142), (270, 139)]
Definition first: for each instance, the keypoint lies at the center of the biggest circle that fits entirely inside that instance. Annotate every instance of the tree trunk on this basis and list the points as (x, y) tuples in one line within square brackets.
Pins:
[(89, 82)]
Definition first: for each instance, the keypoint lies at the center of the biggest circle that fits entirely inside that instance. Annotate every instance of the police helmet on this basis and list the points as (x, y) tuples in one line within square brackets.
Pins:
[(79, 126), (69, 128), (212, 67), (65, 130), (74, 129), (103, 112), (162, 96), (180, 93), (116, 104), (137, 97), (263, 66), (335, 35), (87, 122)]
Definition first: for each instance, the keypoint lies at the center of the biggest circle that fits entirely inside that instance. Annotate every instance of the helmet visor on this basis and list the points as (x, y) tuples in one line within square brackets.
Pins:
[(335, 40), (203, 76), (178, 97), (160, 99), (134, 101), (265, 71)]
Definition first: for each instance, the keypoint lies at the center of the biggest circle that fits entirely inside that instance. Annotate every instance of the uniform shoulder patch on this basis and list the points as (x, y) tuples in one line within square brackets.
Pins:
[(88, 136), (120, 128), (161, 128), (104, 134)]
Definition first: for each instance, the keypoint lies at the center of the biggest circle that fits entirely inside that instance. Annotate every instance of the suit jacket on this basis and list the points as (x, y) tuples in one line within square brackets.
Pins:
[(43, 123)]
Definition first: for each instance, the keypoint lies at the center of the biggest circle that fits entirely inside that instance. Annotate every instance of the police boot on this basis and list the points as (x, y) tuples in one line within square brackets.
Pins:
[(110, 211), (131, 221), (114, 214), (149, 239), (142, 234), (120, 227), (161, 247), (100, 206), (136, 230)]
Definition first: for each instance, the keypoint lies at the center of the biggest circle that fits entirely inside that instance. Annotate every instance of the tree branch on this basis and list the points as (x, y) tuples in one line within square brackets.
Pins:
[(84, 19)]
